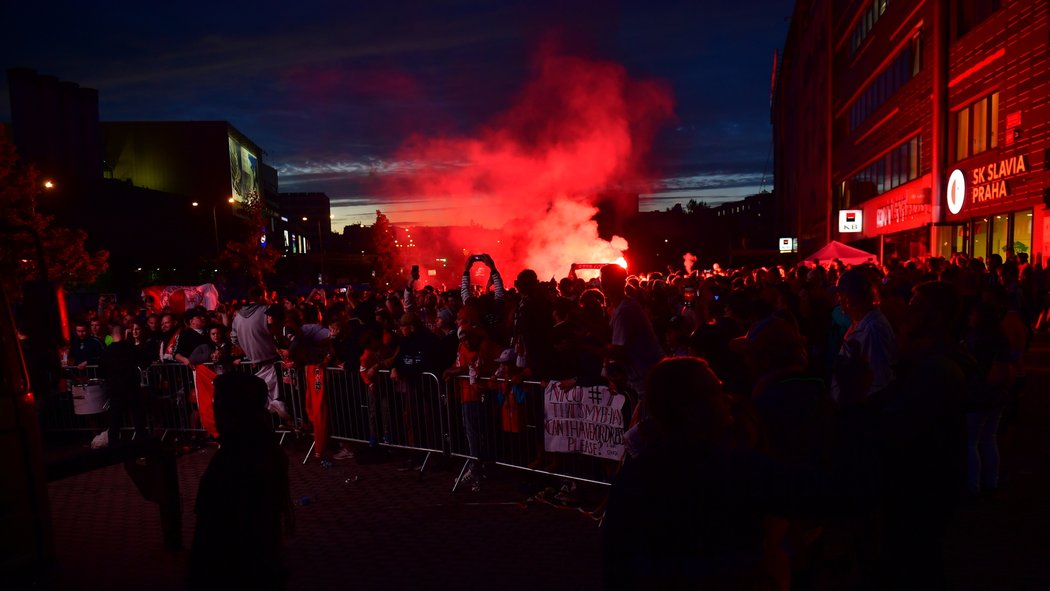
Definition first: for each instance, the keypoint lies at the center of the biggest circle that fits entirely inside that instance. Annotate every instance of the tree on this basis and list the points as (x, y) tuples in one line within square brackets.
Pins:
[(23, 229), (254, 257), (695, 206), (388, 269)]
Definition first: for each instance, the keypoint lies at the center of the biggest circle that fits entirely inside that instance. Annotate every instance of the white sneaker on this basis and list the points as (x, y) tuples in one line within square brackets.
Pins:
[(276, 406), (101, 440), (344, 454)]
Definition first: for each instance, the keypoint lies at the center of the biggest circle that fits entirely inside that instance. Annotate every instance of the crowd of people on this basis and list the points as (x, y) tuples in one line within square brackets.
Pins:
[(779, 415)]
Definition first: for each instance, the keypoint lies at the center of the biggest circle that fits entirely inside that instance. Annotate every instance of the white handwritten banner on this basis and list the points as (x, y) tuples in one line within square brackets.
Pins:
[(583, 420)]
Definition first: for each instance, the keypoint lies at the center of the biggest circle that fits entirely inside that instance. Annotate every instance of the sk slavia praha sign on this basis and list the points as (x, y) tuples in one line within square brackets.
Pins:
[(987, 183)]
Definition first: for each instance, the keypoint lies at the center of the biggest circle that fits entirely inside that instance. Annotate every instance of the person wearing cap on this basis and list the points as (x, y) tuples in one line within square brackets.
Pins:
[(868, 352), (191, 337), (417, 354)]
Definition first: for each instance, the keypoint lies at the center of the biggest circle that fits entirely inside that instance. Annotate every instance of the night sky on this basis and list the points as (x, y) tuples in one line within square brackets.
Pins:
[(332, 90)]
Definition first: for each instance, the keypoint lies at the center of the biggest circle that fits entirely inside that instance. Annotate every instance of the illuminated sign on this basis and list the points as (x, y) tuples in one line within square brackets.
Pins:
[(789, 245), (956, 191), (899, 211), (989, 182), (851, 221)]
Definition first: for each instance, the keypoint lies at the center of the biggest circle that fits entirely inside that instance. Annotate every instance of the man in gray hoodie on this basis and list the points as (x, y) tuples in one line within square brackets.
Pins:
[(252, 333)]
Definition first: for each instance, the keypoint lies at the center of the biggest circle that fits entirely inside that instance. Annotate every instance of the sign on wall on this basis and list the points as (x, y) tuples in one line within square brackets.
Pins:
[(956, 191), (789, 245), (851, 221)]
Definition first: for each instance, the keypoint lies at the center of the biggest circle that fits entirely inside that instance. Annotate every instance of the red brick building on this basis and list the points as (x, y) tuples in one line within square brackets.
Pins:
[(935, 125)]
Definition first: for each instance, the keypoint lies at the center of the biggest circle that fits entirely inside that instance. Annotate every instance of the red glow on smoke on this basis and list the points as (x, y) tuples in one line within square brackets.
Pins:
[(579, 128)]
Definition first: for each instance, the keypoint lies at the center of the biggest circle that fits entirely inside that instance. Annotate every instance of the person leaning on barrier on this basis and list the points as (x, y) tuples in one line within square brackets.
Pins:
[(192, 336), (244, 502)]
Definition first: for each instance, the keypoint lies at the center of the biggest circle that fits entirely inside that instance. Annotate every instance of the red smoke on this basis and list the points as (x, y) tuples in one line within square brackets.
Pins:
[(580, 127)]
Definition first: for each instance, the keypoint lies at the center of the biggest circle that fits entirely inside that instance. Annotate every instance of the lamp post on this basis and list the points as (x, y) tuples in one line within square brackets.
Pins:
[(215, 222), (320, 244)]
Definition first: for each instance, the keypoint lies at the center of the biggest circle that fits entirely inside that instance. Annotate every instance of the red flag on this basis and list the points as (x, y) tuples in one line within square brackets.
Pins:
[(205, 379), (317, 407)]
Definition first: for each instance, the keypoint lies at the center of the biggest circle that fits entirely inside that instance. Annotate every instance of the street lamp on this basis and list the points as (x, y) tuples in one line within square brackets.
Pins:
[(320, 242), (214, 222)]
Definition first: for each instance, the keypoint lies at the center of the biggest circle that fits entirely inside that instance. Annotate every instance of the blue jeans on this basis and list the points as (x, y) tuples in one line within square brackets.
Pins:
[(982, 450)]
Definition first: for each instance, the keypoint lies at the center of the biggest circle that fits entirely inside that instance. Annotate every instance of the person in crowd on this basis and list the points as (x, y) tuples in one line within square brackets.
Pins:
[(478, 359), (378, 354), (990, 385), (84, 348), (191, 336), (101, 331), (869, 339), (169, 338), (920, 432), (244, 503), (120, 368), (689, 511), (146, 346), (532, 325), (218, 351), (417, 354), (254, 327), (798, 423), (634, 346)]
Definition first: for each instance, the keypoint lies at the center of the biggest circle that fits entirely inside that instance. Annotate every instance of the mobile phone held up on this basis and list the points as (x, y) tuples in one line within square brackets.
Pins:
[(415, 271)]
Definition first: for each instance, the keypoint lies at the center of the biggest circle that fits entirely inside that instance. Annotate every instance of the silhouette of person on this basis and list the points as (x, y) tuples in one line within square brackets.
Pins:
[(243, 502)]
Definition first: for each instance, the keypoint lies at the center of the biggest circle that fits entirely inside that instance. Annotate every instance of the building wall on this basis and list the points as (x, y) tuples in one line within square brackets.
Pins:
[(801, 120), (1007, 53), (55, 126), (187, 158)]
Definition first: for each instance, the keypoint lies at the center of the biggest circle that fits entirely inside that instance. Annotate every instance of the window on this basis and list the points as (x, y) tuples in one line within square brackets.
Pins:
[(899, 166), (1000, 234), (872, 12), (970, 13), (980, 238), (1022, 239), (905, 66), (977, 127)]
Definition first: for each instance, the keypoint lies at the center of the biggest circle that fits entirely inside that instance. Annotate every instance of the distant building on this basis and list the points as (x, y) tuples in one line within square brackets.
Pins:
[(310, 216), (928, 119)]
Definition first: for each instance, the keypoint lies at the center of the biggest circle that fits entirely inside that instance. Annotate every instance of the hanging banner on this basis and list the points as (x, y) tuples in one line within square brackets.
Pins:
[(179, 298), (583, 420), (317, 407)]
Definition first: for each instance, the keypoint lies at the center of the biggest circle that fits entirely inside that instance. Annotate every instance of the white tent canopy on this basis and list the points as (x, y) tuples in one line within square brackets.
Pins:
[(843, 252)]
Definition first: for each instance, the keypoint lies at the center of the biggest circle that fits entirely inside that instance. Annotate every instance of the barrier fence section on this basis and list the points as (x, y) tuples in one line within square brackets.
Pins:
[(506, 424), (407, 413), (168, 393), (501, 423)]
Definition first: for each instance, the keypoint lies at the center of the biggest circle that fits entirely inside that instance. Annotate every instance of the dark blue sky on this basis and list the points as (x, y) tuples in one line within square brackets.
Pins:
[(331, 89)]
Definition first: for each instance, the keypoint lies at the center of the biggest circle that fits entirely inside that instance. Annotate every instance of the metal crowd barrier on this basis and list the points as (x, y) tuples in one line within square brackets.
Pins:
[(409, 413), (169, 393), (501, 431), (422, 414)]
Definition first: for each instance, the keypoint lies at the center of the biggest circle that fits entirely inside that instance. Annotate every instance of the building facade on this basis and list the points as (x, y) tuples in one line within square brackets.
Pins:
[(938, 129)]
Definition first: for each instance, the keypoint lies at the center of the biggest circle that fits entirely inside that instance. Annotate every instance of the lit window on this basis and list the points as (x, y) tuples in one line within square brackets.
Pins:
[(977, 127)]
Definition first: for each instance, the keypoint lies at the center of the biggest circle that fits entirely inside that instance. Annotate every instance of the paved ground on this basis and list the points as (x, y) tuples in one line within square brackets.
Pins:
[(371, 526)]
